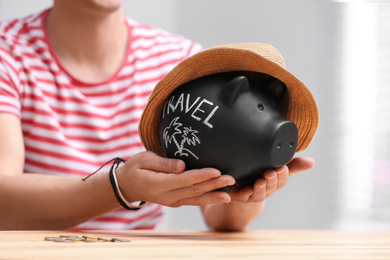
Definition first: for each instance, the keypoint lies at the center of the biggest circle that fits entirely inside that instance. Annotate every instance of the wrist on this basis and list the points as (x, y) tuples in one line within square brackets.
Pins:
[(133, 205)]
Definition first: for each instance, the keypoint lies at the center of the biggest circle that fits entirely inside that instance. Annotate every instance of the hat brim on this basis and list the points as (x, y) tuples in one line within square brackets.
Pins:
[(255, 57)]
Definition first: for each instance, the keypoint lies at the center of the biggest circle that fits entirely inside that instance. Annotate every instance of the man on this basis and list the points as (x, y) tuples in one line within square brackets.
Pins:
[(74, 80)]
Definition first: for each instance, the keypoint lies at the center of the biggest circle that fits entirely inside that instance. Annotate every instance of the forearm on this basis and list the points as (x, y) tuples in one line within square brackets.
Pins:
[(35, 201), (234, 216)]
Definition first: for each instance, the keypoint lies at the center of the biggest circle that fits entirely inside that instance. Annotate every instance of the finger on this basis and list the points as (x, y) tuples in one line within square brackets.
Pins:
[(259, 191), (299, 164), (242, 195), (153, 162), (200, 188), (191, 177), (282, 175), (213, 197), (165, 189), (271, 177)]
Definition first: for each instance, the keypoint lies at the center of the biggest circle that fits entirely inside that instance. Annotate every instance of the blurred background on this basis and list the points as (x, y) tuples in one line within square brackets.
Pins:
[(341, 51)]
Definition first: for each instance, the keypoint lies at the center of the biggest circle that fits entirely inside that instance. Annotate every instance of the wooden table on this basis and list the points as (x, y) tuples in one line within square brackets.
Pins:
[(300, 245)]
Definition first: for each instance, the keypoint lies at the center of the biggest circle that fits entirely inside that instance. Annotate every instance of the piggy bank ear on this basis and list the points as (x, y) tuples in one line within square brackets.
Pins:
[(275, 87), (278, 91), (234, 89)]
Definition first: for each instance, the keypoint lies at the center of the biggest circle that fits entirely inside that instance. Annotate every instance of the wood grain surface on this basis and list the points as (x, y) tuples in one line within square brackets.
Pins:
[(199, 245)]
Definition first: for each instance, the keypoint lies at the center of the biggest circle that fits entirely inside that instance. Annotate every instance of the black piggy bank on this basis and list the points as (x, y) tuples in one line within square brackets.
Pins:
[(230, 122)]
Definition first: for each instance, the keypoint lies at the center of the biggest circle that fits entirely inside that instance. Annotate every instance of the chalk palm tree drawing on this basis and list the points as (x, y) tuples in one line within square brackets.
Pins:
[(188, 136)]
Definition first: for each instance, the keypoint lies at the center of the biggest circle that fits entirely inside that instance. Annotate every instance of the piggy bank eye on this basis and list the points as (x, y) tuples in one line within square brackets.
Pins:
[(260, 107)]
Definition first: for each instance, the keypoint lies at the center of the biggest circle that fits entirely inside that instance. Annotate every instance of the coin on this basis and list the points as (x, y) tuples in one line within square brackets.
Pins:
[(104, 239), (72, 237), (90, 238), (114, 239), (57, 239), (68, 236), (76, 239), (84, 238)]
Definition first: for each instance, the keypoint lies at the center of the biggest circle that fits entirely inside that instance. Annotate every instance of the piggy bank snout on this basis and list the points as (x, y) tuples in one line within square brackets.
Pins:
[(284, 143)]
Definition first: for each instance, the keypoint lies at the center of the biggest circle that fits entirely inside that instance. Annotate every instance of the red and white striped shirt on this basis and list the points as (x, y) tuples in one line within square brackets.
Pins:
[(72, 127)]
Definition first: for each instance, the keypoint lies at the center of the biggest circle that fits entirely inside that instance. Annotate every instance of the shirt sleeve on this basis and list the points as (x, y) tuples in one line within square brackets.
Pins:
[(195, 48), (9, 82)]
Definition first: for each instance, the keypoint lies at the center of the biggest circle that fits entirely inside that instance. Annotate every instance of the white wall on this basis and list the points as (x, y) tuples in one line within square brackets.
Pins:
[(17, 8)]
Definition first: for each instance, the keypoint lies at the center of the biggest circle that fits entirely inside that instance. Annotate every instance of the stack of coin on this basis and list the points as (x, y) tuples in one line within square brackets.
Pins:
[(84, 238)]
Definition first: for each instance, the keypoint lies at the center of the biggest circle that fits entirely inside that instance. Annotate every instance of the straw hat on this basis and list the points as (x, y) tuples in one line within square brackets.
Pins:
[(256, 57)]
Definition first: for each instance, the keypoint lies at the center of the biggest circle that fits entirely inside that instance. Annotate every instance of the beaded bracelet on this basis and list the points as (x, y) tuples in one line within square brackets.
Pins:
[(115, 185)]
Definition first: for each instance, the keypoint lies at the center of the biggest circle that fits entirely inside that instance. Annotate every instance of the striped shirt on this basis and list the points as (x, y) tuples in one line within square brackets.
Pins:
[(71, 127)]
